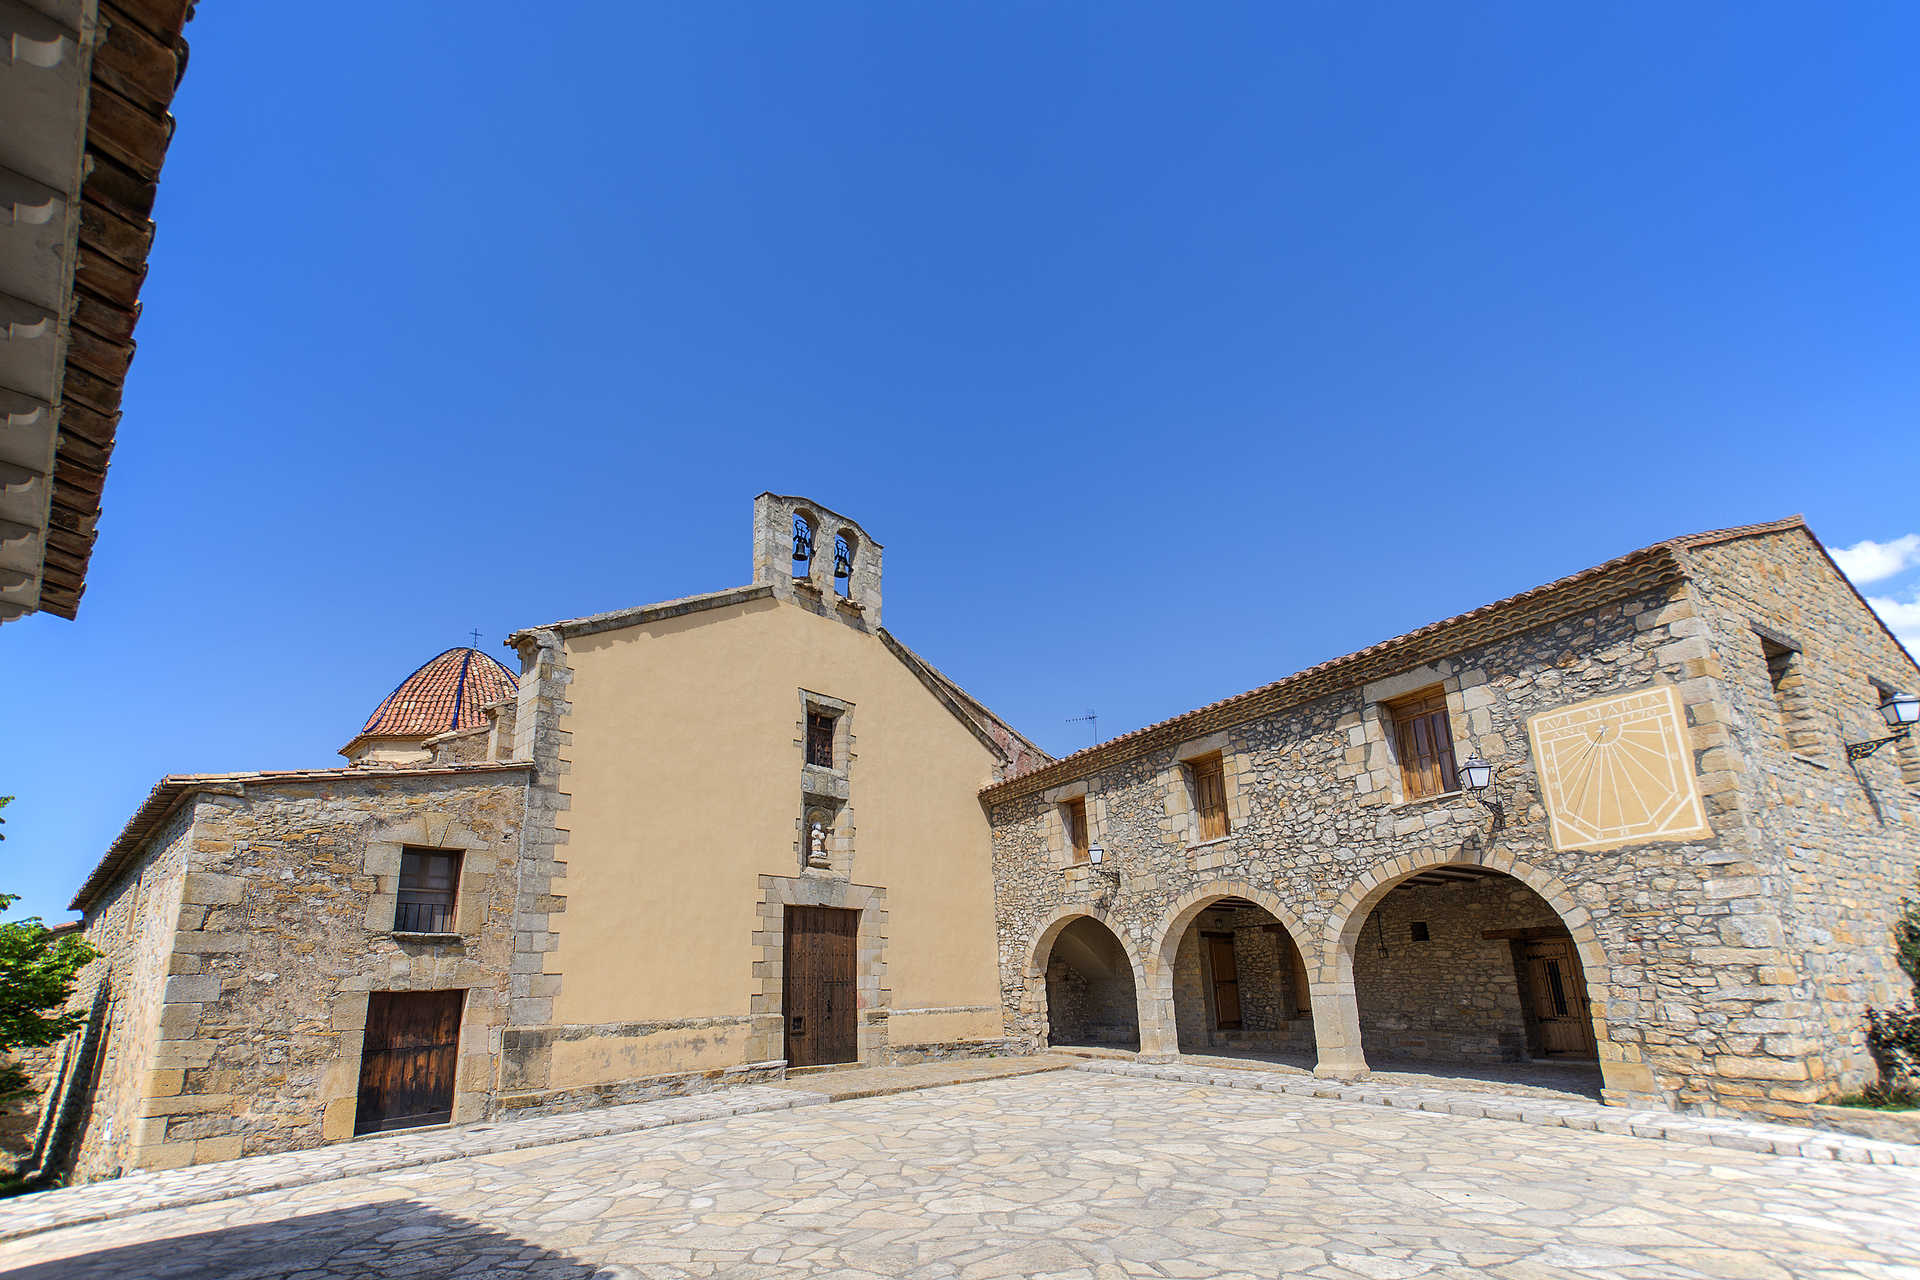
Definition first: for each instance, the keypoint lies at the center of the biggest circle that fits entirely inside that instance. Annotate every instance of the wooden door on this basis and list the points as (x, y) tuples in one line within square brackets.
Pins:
[(821, 992), (1226, 981), (407, 1059), (1557, 991)]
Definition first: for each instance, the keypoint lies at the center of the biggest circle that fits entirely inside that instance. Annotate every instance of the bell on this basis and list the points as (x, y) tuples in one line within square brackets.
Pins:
[(842, 567)]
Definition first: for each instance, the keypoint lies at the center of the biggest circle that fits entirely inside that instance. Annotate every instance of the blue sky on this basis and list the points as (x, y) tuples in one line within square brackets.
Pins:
[(1167, 350)]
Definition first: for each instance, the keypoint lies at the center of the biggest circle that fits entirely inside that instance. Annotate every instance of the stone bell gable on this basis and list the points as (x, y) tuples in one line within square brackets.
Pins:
[(728, 766), (1696, 880)]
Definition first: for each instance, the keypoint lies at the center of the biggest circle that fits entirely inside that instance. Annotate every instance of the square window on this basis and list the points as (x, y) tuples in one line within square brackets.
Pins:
[(820, 739), (1074, 815), (429, 885), (1419, 931), (1207, 776), (1423, 741)]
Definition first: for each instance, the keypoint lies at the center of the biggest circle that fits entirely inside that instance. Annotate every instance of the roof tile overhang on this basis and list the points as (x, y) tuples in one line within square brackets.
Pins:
[(1631, 574), (85, 100), (176, 788)]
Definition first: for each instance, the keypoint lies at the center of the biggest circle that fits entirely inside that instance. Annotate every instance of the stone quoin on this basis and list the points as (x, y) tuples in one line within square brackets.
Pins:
[(709, 840)]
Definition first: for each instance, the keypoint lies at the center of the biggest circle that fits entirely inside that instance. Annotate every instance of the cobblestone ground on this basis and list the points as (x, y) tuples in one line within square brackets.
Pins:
[(1065, 1174)]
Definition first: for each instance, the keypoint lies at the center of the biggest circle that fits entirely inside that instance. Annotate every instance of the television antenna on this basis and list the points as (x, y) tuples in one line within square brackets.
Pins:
[(1091, 720)]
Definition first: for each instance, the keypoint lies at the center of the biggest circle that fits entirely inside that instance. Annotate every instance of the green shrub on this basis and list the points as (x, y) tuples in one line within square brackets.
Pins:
[(1894, 1034)]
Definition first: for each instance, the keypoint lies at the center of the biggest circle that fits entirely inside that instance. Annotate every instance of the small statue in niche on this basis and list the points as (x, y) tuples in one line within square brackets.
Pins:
[(817, 846)]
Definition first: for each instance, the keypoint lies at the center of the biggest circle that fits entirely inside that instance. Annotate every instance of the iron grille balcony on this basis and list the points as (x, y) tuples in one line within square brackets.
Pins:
[(423, 917)]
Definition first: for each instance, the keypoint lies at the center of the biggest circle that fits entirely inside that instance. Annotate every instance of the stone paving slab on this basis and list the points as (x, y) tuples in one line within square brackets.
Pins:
[(1705, 1131), (140, 1193), (143, 1192), (877, 1082), (1062, 1175)]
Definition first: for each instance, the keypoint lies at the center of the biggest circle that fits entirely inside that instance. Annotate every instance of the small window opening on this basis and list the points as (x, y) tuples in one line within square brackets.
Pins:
[(1780, 665), (843, 566), (1208, 777), (1419, 931), (1423, 740), (1786, 678), (802, 546), (429, 883), (820, 739), (1074, 813)]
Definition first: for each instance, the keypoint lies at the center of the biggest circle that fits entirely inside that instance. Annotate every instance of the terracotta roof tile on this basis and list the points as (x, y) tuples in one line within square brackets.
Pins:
[(1636, 570), (445, 693)]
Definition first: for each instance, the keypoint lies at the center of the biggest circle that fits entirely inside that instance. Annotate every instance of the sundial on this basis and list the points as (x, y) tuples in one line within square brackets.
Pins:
[(1618, 770)]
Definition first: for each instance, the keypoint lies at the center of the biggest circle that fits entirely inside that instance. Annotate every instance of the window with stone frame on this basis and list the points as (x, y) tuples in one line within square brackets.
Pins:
[(1073, 816), (1207, 781), (429, 890), (1422, 740), (820, 728)]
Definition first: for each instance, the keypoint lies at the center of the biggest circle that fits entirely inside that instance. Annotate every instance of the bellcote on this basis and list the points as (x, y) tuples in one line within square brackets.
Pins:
[(816, 557)]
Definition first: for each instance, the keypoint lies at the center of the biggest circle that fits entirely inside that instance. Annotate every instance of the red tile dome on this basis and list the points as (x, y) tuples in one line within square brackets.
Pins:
[(444, 694)]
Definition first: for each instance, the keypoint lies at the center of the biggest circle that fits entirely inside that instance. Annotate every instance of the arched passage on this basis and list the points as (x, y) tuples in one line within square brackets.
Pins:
[(1233, 978), (1465, 966), (1090, 984)]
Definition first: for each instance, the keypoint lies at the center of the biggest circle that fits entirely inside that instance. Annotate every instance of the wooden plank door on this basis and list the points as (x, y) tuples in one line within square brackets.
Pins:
[(821, 992), (1557, 991), (1226, 981), (407, 1059)]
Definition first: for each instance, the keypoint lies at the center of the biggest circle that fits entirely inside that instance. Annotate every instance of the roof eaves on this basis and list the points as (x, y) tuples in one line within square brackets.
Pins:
[(133, 74), (642, 614), (968, 707), (1787, 525), (175, 789), (1635, 571)]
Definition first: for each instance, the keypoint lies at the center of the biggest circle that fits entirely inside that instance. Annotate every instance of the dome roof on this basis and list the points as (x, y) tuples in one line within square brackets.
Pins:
[(445, 693)]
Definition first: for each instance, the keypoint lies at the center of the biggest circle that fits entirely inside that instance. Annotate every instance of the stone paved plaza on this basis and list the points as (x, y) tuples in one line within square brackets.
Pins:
[(1068, 1173)]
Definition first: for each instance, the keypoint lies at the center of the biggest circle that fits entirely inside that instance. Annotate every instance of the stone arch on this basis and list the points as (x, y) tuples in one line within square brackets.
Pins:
[(846, 551), (1034, 1001), (806, 530), (1623, 1075), (1159, 999), (1350, 913)]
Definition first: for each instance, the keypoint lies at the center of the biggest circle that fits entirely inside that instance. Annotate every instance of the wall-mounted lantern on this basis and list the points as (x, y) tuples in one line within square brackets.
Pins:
[(1901, 711), (1476, 779)]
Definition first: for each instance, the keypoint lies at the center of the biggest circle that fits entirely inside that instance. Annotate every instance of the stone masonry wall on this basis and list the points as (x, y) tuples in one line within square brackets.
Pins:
[(132, 925), (1321, 830), (1267, 998), (1456, 996), (285, 925), (1841, 839)]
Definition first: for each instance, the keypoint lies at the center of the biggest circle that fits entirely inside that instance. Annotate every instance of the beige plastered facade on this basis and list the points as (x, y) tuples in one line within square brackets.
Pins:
[(677, 727)]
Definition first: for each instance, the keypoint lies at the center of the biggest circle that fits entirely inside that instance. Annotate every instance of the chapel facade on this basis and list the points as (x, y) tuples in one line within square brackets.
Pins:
[(742, 833)]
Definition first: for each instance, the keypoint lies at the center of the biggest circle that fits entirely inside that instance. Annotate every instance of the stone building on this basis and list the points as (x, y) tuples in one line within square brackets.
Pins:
[(748, 832), (1680, 870), (693, 843)]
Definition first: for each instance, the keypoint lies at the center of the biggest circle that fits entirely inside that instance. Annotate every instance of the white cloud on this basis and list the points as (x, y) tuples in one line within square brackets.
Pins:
[(1903, 616), (1869, 561)]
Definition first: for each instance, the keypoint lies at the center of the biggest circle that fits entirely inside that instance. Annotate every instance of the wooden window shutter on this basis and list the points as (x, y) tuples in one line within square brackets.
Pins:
[(1076, 818), (1423, 739), (1210, 795)]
